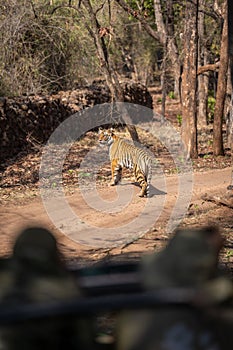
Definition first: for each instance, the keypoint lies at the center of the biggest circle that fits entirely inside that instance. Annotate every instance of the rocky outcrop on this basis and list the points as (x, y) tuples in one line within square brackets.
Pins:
[(29, 120)]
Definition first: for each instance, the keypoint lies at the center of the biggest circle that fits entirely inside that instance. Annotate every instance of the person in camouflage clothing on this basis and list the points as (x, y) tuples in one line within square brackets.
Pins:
[(36, 275), (189, 261)]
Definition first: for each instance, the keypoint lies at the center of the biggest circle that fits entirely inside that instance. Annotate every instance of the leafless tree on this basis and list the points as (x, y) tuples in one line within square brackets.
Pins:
[(163, 34), (99, 33), (203, 79), (221, 88), (230, 42)]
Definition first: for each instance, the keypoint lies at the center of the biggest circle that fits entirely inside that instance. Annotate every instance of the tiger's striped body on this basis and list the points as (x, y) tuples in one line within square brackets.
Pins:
[(123, 154)]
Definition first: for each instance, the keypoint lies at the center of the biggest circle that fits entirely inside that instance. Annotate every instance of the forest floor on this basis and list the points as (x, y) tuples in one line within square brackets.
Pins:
[(210, 202)]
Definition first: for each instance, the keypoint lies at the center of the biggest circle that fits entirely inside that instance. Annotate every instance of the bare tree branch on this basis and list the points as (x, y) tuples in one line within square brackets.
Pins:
[(33, 9), (142, 20), (99, 8), (64, 6), (208, 67)]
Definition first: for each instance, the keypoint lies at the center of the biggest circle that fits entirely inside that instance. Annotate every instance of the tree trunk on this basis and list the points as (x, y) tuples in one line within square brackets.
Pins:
[(227, 107), (203, 82), (164, 90), (230, 42), (189, 80), (221, 91), (160, 35), (167, 40), (203, 79), (110, 76)]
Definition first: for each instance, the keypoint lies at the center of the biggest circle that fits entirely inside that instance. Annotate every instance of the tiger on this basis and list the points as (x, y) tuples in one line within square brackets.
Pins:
[(123, 154)]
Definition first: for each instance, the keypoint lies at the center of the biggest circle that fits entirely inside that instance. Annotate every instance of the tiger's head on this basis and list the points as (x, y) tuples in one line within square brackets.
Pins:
[(106, 137)]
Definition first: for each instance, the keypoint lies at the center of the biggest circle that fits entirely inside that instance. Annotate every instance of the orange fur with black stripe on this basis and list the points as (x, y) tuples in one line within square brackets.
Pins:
[(123, 154)]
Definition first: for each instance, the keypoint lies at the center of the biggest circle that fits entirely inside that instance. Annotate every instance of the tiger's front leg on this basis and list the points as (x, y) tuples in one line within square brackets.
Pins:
[(116, 172)]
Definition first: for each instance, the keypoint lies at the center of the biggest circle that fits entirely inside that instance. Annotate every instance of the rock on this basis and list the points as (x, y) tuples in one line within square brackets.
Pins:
[(36, 117)]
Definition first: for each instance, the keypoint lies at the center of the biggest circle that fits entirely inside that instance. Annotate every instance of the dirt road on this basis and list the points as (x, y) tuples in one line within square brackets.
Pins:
[(114, 212)]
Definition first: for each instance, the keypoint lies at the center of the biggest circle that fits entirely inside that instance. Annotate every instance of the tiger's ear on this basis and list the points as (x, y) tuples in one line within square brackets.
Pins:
[(112, 131), (100, 130)]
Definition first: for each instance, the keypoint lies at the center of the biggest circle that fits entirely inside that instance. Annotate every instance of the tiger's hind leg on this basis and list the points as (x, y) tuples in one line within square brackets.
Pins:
[(141, 179), (143, 192), (116, 172)]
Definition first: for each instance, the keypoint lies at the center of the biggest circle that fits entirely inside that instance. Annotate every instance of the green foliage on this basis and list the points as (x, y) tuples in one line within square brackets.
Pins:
[(215, 48), (179, 119), (213, 34), (229, 254), (178, 10), (171, 95), (145, 8), (210, 107), (84, 174)]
